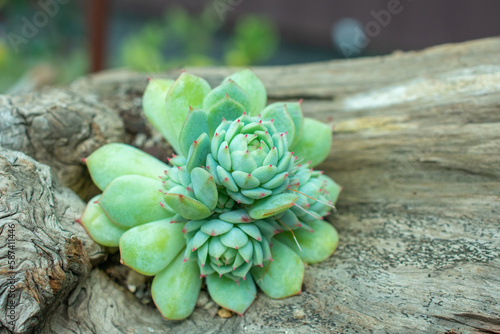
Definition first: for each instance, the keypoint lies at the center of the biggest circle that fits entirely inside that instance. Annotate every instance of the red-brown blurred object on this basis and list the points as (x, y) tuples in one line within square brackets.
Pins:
[(97, 24)]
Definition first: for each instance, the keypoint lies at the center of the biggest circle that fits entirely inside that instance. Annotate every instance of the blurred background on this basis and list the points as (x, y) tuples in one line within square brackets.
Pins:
[(52, 42)]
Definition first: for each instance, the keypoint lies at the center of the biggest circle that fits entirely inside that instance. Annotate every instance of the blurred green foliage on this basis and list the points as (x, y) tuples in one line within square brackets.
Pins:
[(178, 39), (182, 39), (56, 46)]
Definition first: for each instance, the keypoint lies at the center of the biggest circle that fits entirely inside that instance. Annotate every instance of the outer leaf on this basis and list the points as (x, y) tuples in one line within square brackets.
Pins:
[(254, 88), (187, 91), (196, 123), (272, 205), (98, 225), (153, 103), (231, 89), (281, 119), (332, 188), (295, 111), (133, 200), (176, 288), (316, 246), (283, 276), (114, 160), (149, 248), (236, 297), (226, 108), (204, 187), (315, 143)]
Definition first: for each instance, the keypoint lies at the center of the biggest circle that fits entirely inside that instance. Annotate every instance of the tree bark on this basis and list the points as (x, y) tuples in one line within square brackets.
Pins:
[(416, 148), (42, 248), (59, 128)]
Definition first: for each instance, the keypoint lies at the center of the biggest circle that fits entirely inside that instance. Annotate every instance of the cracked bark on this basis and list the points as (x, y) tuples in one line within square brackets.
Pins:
[(59, 128), (416, 149), (44, 254)]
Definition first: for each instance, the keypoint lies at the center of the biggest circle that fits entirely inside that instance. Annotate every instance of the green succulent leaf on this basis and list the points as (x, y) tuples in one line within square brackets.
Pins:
[(332, 188), (187, 91), (315, 143), (281, 119), (272, 205), (253, 86), (295, 111), (149, 248), (196, 123), (235, 238), (198, 152), (226, 108), (225, 89), (98, 225), (114, 160), (133, 200), (153, 103), (186, 206), (236, 216), (176, 288), (283, 276), (236, 297), (316, 246), (204, 186), (216, 227)]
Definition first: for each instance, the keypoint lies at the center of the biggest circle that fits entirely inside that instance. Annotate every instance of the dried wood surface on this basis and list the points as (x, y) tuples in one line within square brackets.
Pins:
[(58, 127), (42, 248), (416, 149)]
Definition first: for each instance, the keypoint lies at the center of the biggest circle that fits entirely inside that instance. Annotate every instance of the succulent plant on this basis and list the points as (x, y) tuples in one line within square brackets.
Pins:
[(238, 205)]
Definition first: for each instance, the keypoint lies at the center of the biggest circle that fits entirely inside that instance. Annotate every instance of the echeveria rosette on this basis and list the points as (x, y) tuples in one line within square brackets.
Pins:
[(233, 207), (228, 244), (303, 222), (249, 159)]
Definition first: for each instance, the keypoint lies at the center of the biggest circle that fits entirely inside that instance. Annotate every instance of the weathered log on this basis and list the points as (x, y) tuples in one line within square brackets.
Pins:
[(42, 255), (59, 128), (416, 148)]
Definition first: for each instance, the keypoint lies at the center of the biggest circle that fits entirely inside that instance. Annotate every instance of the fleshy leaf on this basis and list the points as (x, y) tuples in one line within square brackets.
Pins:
[(316, 246), (149, 248), (98, 225), (283, 276), (114, 160), (187, 91), (176, 288), (227, 88), (216, 227), (254, 87), (194, 126), (315, 143), (281, 119), (236, 297), (133, 200), (153, 103), (235, 238), (226, 108), (295, 111), (198, 152), (272, 205), (186, 206), (204, 187), (236, 216), (332, 188)]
